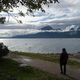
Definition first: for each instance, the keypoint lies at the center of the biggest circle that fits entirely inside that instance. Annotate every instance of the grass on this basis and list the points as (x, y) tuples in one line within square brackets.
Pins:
[(49, 57), (10, 68), (74, 63)]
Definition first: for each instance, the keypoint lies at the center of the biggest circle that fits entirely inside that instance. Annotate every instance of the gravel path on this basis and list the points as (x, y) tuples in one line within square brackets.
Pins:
[(47, 66)]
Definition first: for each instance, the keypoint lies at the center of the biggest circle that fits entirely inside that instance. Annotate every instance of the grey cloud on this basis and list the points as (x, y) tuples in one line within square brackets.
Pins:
[(66, 12), (74, 20)]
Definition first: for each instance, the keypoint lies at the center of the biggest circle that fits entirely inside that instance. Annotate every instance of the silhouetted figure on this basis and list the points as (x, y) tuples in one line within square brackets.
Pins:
[(63, 61)]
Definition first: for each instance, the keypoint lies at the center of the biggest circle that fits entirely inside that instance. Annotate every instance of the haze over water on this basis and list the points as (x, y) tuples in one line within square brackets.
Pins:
[(43, 45)]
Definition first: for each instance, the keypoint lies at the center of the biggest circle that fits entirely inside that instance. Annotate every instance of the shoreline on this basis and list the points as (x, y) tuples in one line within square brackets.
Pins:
[(74, 61), (75, 57), (72, 54)]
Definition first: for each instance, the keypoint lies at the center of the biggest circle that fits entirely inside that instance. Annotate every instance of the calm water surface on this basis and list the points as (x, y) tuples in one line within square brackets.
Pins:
[(43, 45)]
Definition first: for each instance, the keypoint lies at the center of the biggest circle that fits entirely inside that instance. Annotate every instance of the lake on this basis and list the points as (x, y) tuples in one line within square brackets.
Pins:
[(43, 45)]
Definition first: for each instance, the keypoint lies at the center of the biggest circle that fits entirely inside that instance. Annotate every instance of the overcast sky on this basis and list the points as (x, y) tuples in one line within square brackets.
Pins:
[(64, 12)]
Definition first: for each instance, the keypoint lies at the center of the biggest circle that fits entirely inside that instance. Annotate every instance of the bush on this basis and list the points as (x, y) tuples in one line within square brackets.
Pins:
[(3, 50)]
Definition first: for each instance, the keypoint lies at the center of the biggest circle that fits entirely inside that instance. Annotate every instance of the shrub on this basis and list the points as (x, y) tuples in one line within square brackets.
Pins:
[(3, 50)]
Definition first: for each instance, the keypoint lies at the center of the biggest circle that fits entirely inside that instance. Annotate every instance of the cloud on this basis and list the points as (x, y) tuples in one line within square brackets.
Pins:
[(14, 32), (67, 11)]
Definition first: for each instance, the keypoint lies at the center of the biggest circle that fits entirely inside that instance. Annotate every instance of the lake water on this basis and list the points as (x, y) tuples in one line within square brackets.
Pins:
[(42, 45)]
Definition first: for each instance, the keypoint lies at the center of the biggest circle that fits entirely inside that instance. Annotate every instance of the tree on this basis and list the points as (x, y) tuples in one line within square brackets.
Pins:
[(7, 5)]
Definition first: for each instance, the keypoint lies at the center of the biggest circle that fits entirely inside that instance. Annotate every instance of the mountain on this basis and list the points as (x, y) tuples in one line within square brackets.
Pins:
[(45, 31), (46, 28), (70, 34), (70, 31)]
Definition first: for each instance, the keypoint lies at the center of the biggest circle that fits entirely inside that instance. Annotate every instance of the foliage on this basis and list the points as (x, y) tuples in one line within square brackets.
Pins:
[(6, 5), (3, 50), (30, 5)]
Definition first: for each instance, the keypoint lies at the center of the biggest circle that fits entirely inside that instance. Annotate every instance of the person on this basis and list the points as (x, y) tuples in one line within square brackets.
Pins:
[(63, 61)]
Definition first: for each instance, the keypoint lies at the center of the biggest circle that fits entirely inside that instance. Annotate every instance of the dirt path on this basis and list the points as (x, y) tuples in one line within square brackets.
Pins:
[(47, 66)]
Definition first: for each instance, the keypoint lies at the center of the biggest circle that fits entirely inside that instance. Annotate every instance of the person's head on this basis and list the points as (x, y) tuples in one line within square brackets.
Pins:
[(64, 50)]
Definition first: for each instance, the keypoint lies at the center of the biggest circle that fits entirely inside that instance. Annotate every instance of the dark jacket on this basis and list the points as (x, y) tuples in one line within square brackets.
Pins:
[(63, 58)]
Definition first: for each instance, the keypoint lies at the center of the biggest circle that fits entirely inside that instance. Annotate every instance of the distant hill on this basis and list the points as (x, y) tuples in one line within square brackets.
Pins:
[(45, 31), (70, 31), (47, 28), (70, 34)]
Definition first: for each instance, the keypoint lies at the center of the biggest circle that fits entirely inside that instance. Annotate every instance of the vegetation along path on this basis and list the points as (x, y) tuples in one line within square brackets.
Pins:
[(47, 66)]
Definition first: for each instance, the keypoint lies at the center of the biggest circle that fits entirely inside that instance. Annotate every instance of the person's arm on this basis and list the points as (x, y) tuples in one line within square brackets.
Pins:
[(60, 56)]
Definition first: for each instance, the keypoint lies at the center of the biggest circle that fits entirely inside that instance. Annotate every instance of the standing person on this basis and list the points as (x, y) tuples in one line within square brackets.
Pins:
[(63, 61)]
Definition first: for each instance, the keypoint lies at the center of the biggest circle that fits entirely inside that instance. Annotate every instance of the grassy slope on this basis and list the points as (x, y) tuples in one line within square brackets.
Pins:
[(49, 57), (11, 68)]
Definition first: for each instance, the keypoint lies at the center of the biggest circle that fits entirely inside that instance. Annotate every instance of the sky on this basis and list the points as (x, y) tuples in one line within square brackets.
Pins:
[(65, 12)]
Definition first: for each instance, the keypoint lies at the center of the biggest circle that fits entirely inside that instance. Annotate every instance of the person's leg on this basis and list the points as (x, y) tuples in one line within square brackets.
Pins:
[(65, 69), (61, 69)]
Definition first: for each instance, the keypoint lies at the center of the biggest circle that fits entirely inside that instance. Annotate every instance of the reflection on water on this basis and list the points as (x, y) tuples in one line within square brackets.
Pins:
[(43, 45)]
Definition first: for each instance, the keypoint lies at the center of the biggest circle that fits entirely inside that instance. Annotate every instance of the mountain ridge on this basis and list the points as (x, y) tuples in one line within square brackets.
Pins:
[(70, 34)]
